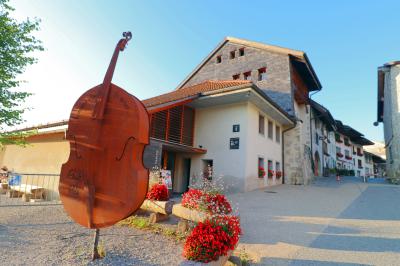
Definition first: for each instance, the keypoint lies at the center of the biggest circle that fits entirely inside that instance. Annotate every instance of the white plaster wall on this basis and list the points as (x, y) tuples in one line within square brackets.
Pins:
[(213, 130), (261, 146)]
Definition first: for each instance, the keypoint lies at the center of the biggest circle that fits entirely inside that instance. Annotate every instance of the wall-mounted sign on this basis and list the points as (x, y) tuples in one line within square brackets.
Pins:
[(166, 176), (234, 143), (236, 128)]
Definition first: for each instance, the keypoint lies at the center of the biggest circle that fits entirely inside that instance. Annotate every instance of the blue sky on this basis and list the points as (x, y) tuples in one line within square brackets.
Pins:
[(345, 40)]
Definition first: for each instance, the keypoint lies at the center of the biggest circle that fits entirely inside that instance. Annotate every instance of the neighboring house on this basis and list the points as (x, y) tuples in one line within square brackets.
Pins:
[(230, 128), (369, 164), (323, 127), (284, 75), (389, 114), (349, 149)]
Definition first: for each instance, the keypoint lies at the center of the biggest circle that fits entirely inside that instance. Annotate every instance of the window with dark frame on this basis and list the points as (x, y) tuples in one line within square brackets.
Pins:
[(262, 74), (235, 77), (232, 54), (247, 75), (241, 52), (261, 167), (261, 124), (278, 134), (219, 59), (270, 129)]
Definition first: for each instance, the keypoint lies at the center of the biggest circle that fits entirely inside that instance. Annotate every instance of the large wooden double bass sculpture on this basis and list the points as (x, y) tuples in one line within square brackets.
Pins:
[(104, 180)]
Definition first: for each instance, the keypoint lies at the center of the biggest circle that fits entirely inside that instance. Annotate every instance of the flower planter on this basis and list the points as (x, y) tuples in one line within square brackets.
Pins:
[(189, 214), (221, 261)]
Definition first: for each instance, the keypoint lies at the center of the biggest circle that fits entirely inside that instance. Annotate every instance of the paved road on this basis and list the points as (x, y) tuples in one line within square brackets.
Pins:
[(326, 223)]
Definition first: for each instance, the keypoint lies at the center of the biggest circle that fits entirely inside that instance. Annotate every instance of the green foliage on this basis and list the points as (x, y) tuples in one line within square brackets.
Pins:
[(16, 47)]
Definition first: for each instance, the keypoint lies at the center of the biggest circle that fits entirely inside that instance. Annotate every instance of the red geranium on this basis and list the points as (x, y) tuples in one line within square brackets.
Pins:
[(191, 199), (211, 203), (278, 174), (270, 173), (158, 192), (261, 172), (217, 204), (212, 239)]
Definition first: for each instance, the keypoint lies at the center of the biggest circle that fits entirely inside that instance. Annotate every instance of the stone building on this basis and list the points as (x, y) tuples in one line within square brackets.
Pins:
[(389, 114), (284, 75)]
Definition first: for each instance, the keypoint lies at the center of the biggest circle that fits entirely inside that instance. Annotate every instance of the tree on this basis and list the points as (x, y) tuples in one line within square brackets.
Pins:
[(16, 47)]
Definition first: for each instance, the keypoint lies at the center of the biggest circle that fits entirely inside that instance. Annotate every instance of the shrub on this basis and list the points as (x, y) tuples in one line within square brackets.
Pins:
[(158, 192), (212, 239)]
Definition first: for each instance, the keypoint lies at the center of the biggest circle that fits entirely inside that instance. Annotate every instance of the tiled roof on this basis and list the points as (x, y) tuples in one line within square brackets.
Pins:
[(206, 86)]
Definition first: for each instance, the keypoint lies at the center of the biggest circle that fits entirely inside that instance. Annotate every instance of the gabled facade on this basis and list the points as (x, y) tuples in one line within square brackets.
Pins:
[(229, 128), (323, 127), (284, 75), (389, 114), (349, 149)]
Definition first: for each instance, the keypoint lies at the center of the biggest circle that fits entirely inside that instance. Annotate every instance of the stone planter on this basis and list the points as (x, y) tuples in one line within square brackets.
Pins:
[(189, 214), (220, 262), (186, 215)]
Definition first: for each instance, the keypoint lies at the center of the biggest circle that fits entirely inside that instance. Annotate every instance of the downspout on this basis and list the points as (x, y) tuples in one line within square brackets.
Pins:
[(283, 150)]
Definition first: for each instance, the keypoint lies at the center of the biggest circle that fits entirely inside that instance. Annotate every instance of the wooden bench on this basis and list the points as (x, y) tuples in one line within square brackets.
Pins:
[(27, 192)]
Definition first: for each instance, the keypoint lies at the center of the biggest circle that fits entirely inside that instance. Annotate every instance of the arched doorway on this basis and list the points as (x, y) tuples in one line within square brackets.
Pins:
[(317, 164)]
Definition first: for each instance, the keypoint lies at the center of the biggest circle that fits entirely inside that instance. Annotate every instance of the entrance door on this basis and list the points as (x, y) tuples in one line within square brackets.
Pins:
[(317, 163), (186, 173)]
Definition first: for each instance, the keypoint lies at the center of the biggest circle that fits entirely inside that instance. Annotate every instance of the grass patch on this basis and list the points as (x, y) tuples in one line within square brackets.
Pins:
[(143, 223)]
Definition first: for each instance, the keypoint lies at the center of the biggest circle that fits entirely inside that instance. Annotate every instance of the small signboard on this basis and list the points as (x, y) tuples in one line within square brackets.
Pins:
[(166, 176), (236, 128), (234, 144)]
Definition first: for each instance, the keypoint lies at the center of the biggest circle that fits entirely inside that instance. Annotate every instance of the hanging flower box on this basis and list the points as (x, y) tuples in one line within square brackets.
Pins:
[(339, 155), (360, 154), (261, 172), (270, 173), (348, 157), (278, 174)]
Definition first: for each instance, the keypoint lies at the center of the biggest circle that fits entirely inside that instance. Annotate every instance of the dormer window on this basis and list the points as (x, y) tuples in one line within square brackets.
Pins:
[(219, 59), (241, 52), (235, 77), (247, 75), (262, 74), (232, 54)]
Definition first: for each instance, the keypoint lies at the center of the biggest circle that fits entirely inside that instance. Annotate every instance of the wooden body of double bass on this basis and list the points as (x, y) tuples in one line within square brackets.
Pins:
[(104, 179)]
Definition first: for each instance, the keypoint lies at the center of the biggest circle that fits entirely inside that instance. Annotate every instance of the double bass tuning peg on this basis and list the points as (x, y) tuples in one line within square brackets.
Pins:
[(127, 35)]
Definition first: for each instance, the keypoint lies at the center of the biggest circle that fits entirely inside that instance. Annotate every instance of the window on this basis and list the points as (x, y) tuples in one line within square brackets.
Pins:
[(247, 75), (261, 126), (316, 138), (262, 74), (338, 150), (235, 77), (347, 153), (270, 166), (261, 169), (241, 52), (359, 163), (277, 166), (208, 169), (232, 54), (270, 130), (278, 134), (219, 59)]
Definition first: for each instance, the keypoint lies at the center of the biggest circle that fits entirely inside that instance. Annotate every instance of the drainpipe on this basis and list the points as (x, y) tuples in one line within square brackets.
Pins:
[(283, 150)]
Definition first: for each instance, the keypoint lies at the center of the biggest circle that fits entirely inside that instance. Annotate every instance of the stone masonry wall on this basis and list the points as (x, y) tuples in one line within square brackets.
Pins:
[(392, 117), (277, 70)]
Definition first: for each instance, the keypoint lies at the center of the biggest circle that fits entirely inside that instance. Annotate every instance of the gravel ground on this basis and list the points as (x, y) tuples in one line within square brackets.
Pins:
[(45, 235)]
